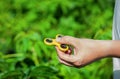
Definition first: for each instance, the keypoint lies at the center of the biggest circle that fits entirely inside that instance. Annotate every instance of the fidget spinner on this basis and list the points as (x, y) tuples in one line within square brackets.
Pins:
[(50, 41)]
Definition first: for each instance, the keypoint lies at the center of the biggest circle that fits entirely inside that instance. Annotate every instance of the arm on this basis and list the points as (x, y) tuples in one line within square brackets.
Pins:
[(115, 48), (87, 50)]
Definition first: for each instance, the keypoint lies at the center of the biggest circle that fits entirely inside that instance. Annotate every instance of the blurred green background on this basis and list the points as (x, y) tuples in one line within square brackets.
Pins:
[(25, 23)]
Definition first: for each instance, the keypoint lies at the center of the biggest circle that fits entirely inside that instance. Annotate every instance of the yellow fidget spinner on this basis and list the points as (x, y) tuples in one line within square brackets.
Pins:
[(50, 41)]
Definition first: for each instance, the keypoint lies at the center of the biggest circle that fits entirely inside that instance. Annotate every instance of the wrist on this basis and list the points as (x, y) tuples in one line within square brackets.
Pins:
[(105, 47)]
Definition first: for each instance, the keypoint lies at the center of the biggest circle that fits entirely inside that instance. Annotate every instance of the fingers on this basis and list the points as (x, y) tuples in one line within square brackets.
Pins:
[(65, 57), (69, 51), (67, 40), (63, 62)]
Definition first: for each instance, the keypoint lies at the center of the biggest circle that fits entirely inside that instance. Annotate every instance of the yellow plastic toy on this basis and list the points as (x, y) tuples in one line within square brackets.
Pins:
[(50, 41)]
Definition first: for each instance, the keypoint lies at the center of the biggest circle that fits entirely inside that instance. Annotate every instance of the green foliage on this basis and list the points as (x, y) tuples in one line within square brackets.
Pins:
[(24, 24), (32, 73)]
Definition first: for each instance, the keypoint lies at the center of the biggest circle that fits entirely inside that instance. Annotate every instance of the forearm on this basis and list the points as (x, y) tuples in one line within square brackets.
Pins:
[(114, 49), (108, 48)]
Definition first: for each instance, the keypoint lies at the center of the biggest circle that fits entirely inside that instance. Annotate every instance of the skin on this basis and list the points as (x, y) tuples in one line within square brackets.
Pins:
[(87, 51)]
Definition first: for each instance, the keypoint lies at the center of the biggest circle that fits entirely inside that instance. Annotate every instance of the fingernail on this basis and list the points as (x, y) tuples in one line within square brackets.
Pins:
[(58, 39)]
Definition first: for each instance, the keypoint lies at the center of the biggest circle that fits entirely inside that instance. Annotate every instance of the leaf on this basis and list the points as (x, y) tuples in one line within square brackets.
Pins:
[(16, 74), (43, 71)]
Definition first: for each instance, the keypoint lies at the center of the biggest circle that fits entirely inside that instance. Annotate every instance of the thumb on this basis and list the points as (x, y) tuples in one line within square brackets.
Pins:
[(67, 40)]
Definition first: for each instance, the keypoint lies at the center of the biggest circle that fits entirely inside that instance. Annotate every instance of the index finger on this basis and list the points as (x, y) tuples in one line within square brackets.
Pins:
[(66, 57)]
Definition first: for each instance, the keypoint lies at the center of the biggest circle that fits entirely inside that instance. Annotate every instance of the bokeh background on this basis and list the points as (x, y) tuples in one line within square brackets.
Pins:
[(25, 23)]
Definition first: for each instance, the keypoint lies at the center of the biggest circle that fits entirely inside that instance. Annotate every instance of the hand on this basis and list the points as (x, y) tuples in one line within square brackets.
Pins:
[(85, 51)]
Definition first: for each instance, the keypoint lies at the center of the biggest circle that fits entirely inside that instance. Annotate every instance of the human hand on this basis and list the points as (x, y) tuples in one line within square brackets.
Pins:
[(85, 51)]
